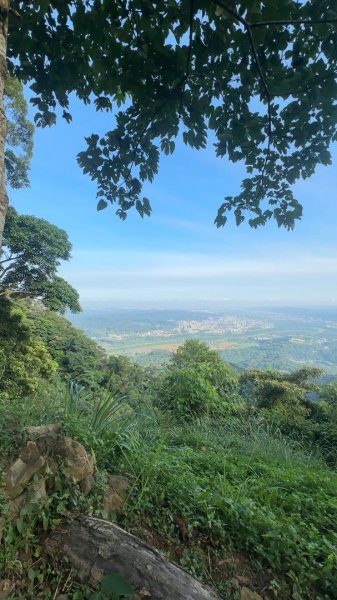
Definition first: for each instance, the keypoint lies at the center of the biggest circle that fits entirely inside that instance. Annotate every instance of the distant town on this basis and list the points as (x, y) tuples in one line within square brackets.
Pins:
[(220, 325), (277, 339)]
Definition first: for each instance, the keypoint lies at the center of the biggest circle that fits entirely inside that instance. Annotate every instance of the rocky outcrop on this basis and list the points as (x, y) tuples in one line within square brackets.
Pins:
[(118, 492), (46, 451), (79, 465), (37, 432), (22, 471)]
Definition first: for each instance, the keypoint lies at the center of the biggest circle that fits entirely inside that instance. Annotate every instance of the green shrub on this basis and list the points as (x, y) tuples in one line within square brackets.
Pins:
[(239, 487), (197, 382), (23, 358), (186, 392)]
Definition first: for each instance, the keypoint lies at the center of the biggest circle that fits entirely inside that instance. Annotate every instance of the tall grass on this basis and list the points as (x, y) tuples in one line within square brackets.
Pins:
[(246, 437), (75, 398), (108, 414), (241, 485)]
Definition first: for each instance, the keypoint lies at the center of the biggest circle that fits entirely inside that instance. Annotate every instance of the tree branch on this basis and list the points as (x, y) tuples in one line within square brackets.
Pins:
[(14, 293), (7, 259), (143, 132), (4, 271), (247, 25), (257, 62), (127, 16), (4, 12), (306, 89), (232, 12), (180, 83), (189, 53), (266, 160), (188, 60), (293, 22)]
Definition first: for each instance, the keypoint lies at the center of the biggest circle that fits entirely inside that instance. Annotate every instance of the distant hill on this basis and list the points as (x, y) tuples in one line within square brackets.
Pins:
[(277, 339)]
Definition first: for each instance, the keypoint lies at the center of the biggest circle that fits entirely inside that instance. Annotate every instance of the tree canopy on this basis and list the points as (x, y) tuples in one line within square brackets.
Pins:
[(19, 138), (78, 357), (197, 381), (31, 255), (270, 389), (255, 78), (24, 359)]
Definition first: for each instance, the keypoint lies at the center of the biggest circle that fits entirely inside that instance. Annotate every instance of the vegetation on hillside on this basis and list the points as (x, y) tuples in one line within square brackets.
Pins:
[(24, 359), (231, 475), (19, 137), (29, 259)]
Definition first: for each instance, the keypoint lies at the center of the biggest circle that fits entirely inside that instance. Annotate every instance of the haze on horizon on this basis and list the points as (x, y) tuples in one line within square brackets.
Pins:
[(189, 280)]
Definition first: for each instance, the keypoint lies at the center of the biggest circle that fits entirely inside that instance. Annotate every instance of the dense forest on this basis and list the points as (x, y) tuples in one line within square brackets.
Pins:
[(231, 474)]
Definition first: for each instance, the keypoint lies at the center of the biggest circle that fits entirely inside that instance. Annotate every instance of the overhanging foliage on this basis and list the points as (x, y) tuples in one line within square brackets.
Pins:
[(257, 77)]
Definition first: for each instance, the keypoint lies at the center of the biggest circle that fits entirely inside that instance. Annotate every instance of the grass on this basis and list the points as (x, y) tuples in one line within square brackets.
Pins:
[(239, 488), (224, 499)]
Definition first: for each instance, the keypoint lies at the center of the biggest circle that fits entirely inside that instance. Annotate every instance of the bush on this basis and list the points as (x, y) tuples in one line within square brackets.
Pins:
[(197, 382), (23, 358), (190, 393)]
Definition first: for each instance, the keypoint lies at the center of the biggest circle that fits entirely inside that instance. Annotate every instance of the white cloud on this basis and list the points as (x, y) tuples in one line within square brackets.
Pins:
[(186, 277)]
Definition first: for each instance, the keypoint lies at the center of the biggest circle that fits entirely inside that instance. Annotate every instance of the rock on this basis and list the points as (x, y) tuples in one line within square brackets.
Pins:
[(119, 489), (90, 543), (242, 580), (96, 576), (52, 466), (30, 453), (86, 484), (112, 502), (247, 594), (39, 490), (37, 432), (43, 457), (5, 588), (143, 593), (47, 444), (20, 473), (37, 493), (78, 463), (16, 504), (120, 485)]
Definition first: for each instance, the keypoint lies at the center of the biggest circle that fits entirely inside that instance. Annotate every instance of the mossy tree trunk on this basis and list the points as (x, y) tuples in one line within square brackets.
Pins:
[(95, 548), (4, 9)]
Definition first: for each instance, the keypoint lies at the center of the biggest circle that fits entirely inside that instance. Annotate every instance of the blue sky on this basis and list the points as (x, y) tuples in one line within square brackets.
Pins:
[(177, 257)]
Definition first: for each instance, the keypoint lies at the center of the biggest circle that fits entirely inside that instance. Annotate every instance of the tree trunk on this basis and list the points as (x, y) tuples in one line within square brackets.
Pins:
[(95, 547), (4, 7)]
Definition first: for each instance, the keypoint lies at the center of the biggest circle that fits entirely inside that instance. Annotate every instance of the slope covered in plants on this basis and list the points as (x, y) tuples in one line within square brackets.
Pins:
[(232, 476)]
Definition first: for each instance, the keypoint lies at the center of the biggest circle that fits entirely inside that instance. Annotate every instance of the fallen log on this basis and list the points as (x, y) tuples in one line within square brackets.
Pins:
[(95, 547)]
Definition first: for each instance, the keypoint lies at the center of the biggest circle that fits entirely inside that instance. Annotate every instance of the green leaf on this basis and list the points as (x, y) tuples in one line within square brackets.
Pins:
[(116, 584), (31, 574), (273, 90), (102, 204)]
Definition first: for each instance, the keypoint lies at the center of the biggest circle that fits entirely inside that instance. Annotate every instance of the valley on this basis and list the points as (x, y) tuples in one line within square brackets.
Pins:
[(282, 338)]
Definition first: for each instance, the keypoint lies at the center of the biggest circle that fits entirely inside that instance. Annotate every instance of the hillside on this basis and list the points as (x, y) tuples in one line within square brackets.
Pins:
[(230, 475)]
